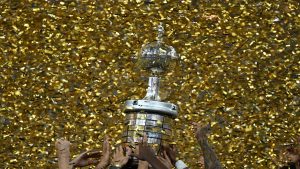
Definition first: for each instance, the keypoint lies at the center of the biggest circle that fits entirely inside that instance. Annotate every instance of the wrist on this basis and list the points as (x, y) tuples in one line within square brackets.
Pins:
[(180, 165)]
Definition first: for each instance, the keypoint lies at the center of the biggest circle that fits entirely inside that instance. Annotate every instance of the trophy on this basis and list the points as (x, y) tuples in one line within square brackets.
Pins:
[(150, 115)]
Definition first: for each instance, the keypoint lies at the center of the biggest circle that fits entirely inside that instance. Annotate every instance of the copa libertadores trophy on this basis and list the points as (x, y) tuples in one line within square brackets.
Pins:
[(150, 115)]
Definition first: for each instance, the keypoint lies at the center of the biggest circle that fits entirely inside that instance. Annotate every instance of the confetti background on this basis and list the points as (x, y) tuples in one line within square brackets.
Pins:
[(67, 67)]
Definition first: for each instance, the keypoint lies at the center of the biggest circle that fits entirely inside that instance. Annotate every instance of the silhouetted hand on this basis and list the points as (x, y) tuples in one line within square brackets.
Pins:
[(201, 131), (104, 160), (119, 159), (145, 151), (85, 159), (142, 164), (63, 152), (166, 161), (171, 152)]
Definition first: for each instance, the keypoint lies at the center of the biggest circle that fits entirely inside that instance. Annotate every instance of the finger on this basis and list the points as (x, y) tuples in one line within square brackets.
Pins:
[(173, 147), (72, 162), (137, 150), (167, 157), (163, 146), (118, 150), (128, 151), (106, 146), (84, 153), (167, 147), (145, 139), (160, 158), (165, 154)]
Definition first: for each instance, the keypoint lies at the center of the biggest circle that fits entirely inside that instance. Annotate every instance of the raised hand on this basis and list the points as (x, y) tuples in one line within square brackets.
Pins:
[(201, 131), (119, 159), (146, 153), (170, 151), (211, 160), (144, 150), (104, 160), (166, 161), (63, 152), (142, 164)]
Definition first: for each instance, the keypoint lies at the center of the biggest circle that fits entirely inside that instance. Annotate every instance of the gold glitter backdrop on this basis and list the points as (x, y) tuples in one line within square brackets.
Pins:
[(66, 68)]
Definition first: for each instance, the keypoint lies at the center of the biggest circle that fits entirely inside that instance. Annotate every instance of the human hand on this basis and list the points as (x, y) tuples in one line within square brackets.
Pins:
[(86, 158), (63, 153), (119, 159), (292, 154), (104, 160), (142, 164), (165, 160), (201, 131), (146, 153), (144, 150), (62, 144), (171, 152)]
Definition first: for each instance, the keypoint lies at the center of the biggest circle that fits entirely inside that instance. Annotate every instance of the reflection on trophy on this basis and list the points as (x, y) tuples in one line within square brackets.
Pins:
[(149, 115)]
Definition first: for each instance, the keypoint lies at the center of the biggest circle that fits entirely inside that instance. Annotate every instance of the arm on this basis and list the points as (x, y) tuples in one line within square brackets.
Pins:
[(104, 160), (211, 160), (63, 153)]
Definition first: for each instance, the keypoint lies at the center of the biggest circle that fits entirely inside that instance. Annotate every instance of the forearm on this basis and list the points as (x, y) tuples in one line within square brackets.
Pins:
[(64, 157), (211, 160)]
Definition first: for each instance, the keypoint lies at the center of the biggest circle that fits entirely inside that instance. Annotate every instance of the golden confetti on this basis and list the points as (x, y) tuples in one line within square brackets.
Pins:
[(66, 68)]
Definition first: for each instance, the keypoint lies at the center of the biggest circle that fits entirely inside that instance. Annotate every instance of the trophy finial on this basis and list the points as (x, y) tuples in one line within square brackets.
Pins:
[(160, 33), (156, 56)]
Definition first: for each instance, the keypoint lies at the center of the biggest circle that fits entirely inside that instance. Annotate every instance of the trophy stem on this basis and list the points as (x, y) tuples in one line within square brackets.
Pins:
[(153, 89)]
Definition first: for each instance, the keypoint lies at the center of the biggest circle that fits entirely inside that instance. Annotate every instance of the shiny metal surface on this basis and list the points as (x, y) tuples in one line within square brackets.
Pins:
[(162, 108)]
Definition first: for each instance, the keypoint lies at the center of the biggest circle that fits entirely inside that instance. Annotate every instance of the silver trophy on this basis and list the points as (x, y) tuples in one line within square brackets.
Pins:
[(150, 115)]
